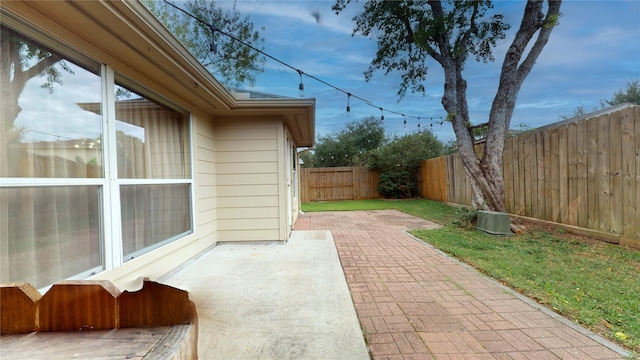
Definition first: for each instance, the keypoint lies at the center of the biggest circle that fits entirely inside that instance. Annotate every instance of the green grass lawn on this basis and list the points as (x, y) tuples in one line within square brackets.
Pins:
[(594, 283)]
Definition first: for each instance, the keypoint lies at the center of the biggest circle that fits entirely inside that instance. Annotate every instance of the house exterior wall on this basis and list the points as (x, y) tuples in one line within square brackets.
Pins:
[(239, 190), (249, 155), (157, 263)]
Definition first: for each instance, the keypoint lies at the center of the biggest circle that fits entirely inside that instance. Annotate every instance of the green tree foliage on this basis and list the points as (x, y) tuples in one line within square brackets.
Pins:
[(408, 33), (307, 158), (579, 111), (629, 95), (450, 147), (351, 146), (232, 63), (399, 162)]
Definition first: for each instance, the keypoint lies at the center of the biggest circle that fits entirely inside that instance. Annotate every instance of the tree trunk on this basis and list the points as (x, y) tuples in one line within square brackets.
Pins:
[(485, 174)]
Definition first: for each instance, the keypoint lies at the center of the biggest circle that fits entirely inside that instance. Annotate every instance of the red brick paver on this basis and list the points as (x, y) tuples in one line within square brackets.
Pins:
[(413, 302)]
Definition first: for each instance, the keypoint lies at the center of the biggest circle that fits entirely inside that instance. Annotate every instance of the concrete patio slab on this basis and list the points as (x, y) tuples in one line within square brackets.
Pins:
[(273, 301)]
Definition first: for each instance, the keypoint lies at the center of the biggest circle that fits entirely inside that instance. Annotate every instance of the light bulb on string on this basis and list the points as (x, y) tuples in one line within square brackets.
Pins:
[(301, 85), (212, 45), (213, 48), (404, 122)]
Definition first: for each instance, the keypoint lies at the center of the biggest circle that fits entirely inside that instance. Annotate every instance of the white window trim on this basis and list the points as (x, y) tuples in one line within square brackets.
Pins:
[(111, 243), (112, 232)]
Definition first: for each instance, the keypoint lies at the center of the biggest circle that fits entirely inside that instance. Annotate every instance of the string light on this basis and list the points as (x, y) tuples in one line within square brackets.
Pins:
[(212, 46), (301, 85), (213, 49)]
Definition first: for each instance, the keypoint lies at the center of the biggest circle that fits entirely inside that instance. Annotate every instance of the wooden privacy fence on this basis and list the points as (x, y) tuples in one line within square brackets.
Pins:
[(584, 173), (338, 183)]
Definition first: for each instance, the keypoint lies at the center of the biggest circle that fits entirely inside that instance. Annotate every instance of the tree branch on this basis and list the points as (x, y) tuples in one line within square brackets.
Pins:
[(543, 37)]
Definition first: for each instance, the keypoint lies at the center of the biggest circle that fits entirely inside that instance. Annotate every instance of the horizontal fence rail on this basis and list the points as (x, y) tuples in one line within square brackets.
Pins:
[(338, 183)]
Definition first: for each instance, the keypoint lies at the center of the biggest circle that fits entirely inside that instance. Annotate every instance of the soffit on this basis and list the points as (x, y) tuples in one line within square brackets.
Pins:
[(127, 37)]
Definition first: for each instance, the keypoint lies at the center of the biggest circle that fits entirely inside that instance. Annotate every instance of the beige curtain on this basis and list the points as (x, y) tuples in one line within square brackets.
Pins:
[(161, 153), (155, 147), (47, 233)]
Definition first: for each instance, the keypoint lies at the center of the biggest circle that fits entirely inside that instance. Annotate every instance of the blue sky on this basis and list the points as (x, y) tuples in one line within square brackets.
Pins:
[(592, 53)]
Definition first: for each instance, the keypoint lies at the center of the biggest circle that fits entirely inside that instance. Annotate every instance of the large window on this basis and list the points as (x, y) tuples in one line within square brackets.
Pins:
[(93, 172), (152, 149)]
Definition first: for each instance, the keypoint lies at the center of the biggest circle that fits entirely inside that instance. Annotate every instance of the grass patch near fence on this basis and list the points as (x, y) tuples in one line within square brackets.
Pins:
[(426, 209), (591, 282)]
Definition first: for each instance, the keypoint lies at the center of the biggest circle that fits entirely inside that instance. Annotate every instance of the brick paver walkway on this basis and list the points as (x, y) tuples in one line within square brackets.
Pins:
[(413, 302)]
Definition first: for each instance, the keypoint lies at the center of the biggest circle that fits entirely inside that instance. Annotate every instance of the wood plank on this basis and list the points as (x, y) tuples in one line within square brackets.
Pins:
[(592, 178), (451, 180), (629, 171), (530, 173), (554, 168), (18, 313), (604, 187), (507, 165), (520, 174), (434, 179), (637, 137), (74, 305), (97, 344), (581, 174), (615, 173), (572, 174), (548, 210), (563, 175), (155, 305), (540, 181)]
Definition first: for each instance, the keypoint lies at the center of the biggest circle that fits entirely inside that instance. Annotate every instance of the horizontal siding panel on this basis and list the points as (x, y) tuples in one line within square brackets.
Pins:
[(247, 201), (205, 142), (206, 180), (205, 204), (207, 229), (249, 235), (248, 179), (241, 224), (205, 154), (204, 192), (246, 133), (248, 213), (246, 156), (205, 167), (247, 190), (248, 168), (246, 145), (205, 217)]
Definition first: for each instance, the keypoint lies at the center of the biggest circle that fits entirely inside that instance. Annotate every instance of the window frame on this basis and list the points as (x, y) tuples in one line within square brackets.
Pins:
[(111, 241)]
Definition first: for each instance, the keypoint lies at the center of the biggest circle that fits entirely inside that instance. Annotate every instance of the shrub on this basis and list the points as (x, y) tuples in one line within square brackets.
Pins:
[(397, 185), (466, 217), (400, 160)]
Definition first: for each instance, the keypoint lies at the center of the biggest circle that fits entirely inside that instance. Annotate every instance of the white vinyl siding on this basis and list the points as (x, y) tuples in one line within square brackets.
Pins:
[(206, 193)]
